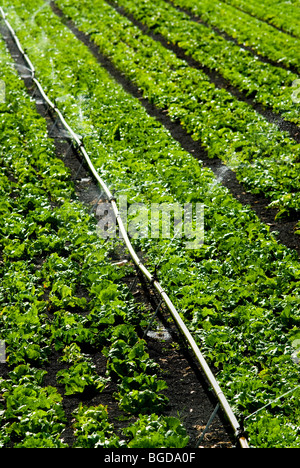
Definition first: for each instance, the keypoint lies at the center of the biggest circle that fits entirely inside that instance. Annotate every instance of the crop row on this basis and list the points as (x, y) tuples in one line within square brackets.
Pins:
[(246, 30), (270, 85), (283, 15), (266, 159), (59, 293), (238, 293)]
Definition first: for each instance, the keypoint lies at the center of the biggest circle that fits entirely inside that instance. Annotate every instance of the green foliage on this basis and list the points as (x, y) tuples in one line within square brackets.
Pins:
[(139, 389), (228, 129), (273, 432), (32, 411), (81, 377), (50, 252), (157, 432), (127, 356), (286, 19), (270, 85), (93, 429), (41, 441), (238, 294), (142, 394), (260, 36)]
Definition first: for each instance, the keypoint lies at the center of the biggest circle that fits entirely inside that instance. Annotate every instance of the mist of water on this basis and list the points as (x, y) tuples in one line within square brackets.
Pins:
[(220, 175)]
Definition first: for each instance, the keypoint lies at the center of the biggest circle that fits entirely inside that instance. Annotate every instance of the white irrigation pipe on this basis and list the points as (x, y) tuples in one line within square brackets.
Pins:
[(176, 316)]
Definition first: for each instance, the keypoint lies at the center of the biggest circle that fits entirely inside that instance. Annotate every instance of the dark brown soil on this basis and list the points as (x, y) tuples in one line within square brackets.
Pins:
[(189, 397)]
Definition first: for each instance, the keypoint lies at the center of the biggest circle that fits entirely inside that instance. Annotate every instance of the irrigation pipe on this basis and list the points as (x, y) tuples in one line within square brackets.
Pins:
[(77, 140), (271, 403)]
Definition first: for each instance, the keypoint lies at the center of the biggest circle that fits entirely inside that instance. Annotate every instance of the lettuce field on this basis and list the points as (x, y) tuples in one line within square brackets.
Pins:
[(176, 102)]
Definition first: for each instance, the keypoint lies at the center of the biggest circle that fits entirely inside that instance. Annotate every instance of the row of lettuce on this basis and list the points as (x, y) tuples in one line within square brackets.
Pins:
[(266, 160), (282, 15), (60, 296), (239, 292), (261, 37), (270, 86)]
